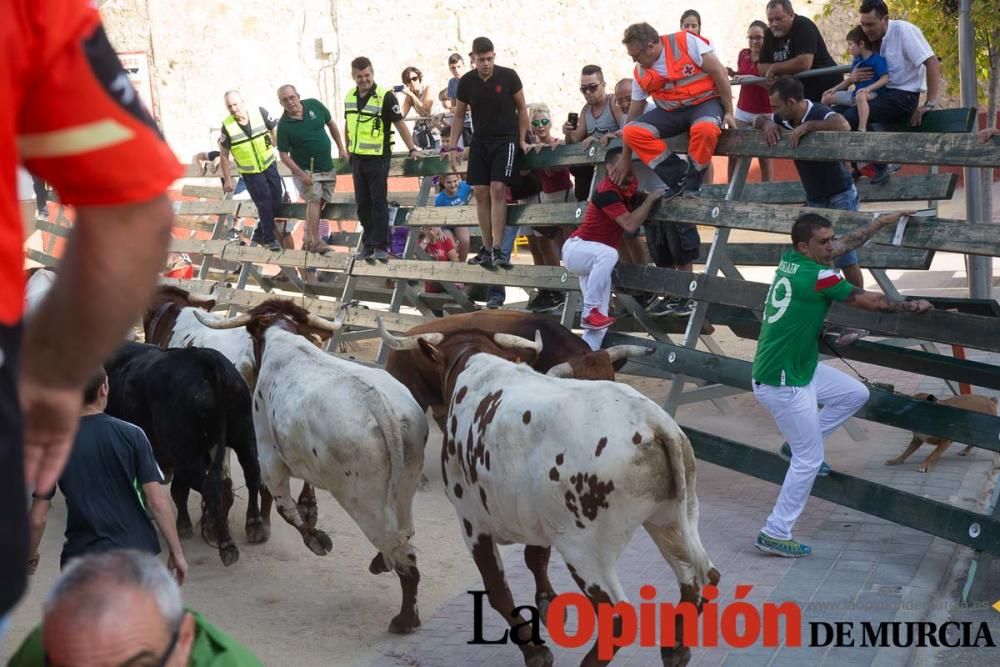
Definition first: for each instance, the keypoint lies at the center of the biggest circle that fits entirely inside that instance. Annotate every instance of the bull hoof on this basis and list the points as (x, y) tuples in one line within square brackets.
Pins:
[(922, 469), (714, 577), (404, 624), (425, 482), (258, 532), (536, 656), (675, 657), (542, 602), (318, 542), (309, 514), (229, 554), (963, 453), (378, 566)]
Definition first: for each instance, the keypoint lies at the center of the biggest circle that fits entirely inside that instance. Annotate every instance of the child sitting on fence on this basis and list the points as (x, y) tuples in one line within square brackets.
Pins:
[(861, 48)]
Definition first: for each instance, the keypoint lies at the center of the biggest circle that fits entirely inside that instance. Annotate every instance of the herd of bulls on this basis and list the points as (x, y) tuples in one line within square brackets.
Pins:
[(541, 447)]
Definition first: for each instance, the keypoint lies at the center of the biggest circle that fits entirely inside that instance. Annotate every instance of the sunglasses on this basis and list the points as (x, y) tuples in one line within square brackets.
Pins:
[(142, 659), (590, 88), (540, 122), (413, 78)]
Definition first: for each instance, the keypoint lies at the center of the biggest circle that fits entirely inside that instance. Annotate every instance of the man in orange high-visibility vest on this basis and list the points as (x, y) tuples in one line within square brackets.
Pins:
[(690, 88)]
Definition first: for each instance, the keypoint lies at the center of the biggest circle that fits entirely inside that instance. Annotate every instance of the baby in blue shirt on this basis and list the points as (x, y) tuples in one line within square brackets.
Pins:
[(861, 48)]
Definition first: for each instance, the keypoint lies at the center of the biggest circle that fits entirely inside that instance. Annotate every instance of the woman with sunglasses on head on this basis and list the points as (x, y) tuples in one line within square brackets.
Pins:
[(420, 98), (753, 100)]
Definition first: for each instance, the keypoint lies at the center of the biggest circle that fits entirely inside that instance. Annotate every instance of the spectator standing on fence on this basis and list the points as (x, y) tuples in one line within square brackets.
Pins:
[(860, 47), (599, 117), (456, 192), (827, 183), (116, 180), (792, 45), (250, 136), (913, 67), (591, 251), (304, 147), (372, 111), (110, 481), (753, 100), (788, 381), (418, 97), (670, 69), (123, 608), (500, 128)]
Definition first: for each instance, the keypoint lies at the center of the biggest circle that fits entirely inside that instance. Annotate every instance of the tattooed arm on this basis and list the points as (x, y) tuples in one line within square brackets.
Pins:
[(859, 298), (858, 237)]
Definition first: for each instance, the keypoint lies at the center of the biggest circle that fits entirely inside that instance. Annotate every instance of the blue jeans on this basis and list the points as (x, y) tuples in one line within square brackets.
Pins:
[(847, 200), (507, 245), (891, 106)]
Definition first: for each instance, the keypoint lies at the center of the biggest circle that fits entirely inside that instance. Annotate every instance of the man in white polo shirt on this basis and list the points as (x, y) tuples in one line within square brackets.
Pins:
[(911, 61)]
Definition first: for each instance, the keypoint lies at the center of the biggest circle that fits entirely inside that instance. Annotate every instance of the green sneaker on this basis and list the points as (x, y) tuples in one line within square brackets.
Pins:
[(785, 548)]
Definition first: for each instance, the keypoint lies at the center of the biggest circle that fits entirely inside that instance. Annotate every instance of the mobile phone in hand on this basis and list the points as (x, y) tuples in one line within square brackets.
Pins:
[(398, 88), (573, 119)]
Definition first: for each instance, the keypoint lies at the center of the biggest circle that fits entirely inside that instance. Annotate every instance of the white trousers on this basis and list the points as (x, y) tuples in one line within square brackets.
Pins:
[(804, 427), (592, 262)]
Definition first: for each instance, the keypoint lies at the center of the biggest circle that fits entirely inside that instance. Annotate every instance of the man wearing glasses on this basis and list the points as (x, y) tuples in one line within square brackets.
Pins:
[(123, 608), (599, 117)]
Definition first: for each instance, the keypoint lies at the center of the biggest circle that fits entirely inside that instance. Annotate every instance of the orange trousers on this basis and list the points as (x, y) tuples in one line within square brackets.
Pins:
[(647, 135)]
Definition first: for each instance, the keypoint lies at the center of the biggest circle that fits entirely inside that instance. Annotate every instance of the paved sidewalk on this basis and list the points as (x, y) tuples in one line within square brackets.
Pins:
[(862, 568)]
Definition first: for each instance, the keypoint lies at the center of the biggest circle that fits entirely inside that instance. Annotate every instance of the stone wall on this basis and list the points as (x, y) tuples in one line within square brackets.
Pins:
[(201, 48)]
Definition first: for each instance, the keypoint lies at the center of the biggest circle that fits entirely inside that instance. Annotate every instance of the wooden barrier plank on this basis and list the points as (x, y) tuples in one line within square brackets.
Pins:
[(922, 187), (52, 228), (884, 407), (942, 327), (218, 207), (541, 277), (924, 234), (962, 119), (203, 191), (233, 252), (962, 150), (872, 257), (41, 257), (745, 325), (906, 509)]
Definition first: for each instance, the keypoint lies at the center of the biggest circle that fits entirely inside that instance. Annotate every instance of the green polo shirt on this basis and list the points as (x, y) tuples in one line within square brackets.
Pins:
[(212, 648), (307, 139)]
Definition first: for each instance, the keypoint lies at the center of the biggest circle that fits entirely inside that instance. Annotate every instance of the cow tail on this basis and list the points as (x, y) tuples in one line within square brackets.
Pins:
[(397, 544), (679, 459)]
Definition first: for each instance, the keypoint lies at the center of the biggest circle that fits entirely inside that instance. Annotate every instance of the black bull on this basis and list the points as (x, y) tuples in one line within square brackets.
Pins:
[(192, 404)]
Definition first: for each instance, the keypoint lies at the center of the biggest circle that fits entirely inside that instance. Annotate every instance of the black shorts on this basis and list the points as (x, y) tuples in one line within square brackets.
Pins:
[(13, 500), (492, 161), (672, 244)]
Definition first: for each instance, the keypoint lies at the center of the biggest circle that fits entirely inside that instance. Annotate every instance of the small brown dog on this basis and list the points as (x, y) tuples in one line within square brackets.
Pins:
[(987, 406)]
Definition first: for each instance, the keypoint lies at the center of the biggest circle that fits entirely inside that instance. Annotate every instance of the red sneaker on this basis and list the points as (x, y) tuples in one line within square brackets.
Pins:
[(596, 320)]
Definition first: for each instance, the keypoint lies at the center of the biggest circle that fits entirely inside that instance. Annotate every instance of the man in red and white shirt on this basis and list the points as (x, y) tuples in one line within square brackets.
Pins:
[(591, 251), (70, 115)]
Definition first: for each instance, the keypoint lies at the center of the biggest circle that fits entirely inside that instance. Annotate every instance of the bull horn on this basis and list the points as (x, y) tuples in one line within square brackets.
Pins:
[(620, 352), (563, 370), (323, 325), (213, 323), (201, 299), (511, 341), (406, 342)]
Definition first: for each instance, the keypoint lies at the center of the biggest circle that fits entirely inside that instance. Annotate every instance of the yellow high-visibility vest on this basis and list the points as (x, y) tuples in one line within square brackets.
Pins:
[(252, 154), (365, 126)]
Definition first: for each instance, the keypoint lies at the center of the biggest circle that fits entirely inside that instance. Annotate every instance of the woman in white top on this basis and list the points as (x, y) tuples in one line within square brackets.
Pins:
[(418, 96)]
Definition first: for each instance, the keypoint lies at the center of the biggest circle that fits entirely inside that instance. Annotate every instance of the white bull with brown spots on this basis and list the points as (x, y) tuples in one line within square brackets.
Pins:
[(352, 430), (576, 465)]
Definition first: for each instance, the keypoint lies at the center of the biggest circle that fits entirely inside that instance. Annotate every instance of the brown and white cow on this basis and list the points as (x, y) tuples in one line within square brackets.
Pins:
[(559, 346), (170, 322), (350, 429), (576, 465)]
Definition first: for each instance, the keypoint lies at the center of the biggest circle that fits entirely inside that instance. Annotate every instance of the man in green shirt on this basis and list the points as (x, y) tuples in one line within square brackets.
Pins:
[(787, 378), (124, 608), (304, 147)]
